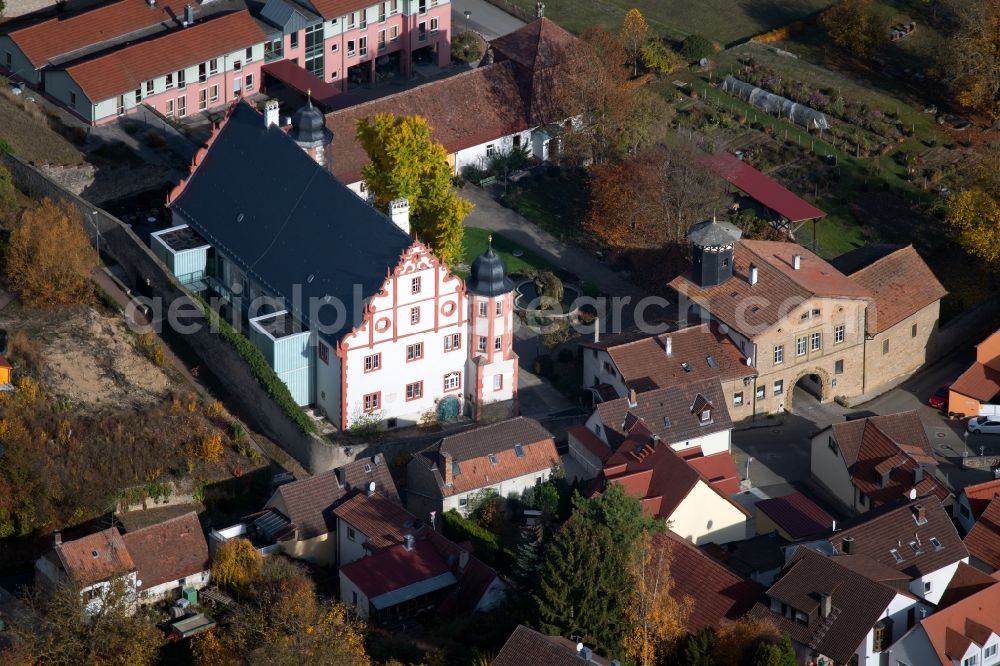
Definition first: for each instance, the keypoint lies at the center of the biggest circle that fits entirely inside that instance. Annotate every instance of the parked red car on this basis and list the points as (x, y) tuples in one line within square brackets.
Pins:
[(940, 398)]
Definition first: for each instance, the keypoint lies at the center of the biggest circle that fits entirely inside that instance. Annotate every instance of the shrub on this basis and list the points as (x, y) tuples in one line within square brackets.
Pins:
[(236, 565), (696, 47), (486, 544), (210, 448)]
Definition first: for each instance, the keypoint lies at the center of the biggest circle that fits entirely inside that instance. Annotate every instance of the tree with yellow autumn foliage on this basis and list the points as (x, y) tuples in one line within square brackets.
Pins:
[(658, 619), (633, 35), (236, 565), (974, 214), (49, 258)]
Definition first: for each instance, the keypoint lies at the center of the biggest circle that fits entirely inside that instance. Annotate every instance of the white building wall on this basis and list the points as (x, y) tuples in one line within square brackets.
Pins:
[(828, 467), (479, 155), (913, 649), (328, 382), (349, 549), (715, 442), (59, 85), (352, 596), (704, 516), (598, 368), (963, 513), (197, 580), (509, 488), (938, 581)]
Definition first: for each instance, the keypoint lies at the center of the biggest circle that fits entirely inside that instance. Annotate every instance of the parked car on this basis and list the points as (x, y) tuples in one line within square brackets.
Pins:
[(984, 424), (940, 398)]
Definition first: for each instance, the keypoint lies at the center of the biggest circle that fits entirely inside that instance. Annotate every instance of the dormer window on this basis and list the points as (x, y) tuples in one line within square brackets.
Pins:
[(706, 416), (456, 469), (493, 458), (916, 546), (896, 556), (936, 543)]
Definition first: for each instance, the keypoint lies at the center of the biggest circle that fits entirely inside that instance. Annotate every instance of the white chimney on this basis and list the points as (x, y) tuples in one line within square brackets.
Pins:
[(151, 3), (753, 274), (796, 261), (668, 345), (597, 329), (188, 15), (271, 113), (408, 541), (399, 213)]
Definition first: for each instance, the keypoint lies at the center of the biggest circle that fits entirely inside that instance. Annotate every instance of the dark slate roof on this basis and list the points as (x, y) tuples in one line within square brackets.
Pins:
[(797, 515), (488, 276), (263, 202), (479, 442), (309, 127), (714, 233)]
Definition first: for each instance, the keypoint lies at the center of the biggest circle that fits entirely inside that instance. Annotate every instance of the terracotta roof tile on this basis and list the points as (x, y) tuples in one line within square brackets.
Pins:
[(980, 495), (381, 520), (168, 551), (589, 440), (95, 557), (463, 110), (978, 381), (902, 427), (761, 187), (527, 646), (952, 629), (966, 581), (902, 285), (983, 540), (125, 69), (395, 568), (797, 515), (43, 41), (330, 9), (719, 470)]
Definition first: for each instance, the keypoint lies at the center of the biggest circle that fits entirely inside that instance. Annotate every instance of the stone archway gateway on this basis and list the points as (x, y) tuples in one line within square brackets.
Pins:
[(815, 381)]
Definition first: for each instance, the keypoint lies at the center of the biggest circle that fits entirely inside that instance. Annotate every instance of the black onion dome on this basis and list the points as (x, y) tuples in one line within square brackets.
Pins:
[(309, 127), (488, 276)]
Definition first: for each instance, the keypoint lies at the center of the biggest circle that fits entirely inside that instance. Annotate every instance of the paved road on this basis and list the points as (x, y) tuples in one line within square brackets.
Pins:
[(486, 19)]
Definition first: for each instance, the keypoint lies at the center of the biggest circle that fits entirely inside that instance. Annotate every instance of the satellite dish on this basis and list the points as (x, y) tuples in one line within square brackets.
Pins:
[(913, 493), (371, 486), (579, 647)]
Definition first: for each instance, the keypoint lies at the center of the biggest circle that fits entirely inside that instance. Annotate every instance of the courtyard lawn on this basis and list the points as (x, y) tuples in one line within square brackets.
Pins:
[(476, 240), (554, 198), (725, 21)]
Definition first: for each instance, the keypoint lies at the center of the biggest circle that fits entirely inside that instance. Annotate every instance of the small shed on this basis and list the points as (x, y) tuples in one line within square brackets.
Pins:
[(286, 346), (184, 252), (189, 626)]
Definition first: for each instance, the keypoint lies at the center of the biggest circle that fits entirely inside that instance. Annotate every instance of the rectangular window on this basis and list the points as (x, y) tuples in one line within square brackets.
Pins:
[(363, 19), (414, 391), (237, 66), (779, 354), (373, 401), (180, 79), (294, 41), (832, 444), (482, 308), (213, 93), (882, 635), (815, 341), (381, 12), (497, 382), (927, 587), (351, 535), (885, 346), (481, 343), (415, 351), (237, 86), (913, 331), (838, 334), (202, 99), (323, 351), (352, 20), (335, 47), (182, 109), (990, 651), (168, 109), (434, 25), (971, 661), (202, 72), (249, 54), (249, 81), (414, 315), (72, 99), (800, 346), (760, 393), (415, 285), (170, 81), (491, 150), (838, 367), (393, 6), (373, 362), (362, 46), (315, 59), (452, 381), (381, 39), (706, 416), (350, 47), (779, 386), (499, 308), (149, 87), (138, 94), (393, 33), (737, 399), (213, 66), (498, 343), (422, 31), (274, 49), (452, 341), (422, 6), (354, 597)]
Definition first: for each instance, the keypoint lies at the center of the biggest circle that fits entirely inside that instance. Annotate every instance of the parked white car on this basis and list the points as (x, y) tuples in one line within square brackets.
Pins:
[(984, 424)]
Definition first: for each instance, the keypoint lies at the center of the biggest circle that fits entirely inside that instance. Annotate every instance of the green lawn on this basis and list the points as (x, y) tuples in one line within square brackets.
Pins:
[(476, 242), (554, 198), (725, 21)]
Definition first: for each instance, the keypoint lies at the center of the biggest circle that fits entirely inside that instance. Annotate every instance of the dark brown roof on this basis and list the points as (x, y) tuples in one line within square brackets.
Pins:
[(384, 522), (463, 111), (895, 529), (779, 287), (715, 591), (875, 570), (902, 284), (168, 551), (310, 502), (527, 646), (592, 442), (95, 557), (857, 604), (903, 427), (797, 515), (983, 540), (43, 41), (667, 413), (966, 581), (125, 69)]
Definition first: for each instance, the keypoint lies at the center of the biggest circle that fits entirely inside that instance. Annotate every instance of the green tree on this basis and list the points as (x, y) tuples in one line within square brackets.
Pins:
[(697, 649), (407, 163), (530, 556), (852, 25), (696, 47), (774, 654), (660, 58), (8, 193)]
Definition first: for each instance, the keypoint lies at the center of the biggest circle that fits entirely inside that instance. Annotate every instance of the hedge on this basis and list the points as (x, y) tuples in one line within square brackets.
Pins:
[(259, 367), (486, 544)]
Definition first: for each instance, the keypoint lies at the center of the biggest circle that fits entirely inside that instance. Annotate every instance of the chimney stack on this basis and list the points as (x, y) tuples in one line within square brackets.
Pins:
[(539, 9), (271, 113), (57, 538), (463, 559), (446, 467), (151, 3), (920, 513), (597, 329), (408, 541), (825, 605), (796, 261), (753, 275), (399, 213), (188, 15), (848, 545), (918, 474), (633, 398), (668, 346)]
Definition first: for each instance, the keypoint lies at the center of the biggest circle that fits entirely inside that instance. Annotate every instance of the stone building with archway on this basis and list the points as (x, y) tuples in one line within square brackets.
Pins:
[(799, 320)]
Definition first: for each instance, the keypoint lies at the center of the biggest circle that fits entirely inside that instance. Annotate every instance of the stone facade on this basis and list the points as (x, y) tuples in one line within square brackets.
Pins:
[(899, 351)]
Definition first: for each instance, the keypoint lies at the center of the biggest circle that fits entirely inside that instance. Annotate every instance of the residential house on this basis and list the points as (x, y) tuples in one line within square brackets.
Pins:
[(973, 500), (527, 646), (360, 321), (155, 562), (793, 516), (801, 321), (611, 368), (966, 633), (499, 106), (983, 540), (916, 538), (507, 458), (670, 487), (869, 462), (835, 614), (967, 581), (979, 385), (392, 565)]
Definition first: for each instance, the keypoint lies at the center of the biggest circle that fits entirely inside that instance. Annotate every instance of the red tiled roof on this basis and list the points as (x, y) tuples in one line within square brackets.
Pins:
[(761, 187), (983, 540), (719, 470), (797, 515), (902, 427), (126, 69), (4, 363), (43, 41), (384, 522), (301, 80), (395, 568), (95, 557), (902, 284), (168, 551), (966, 581), (463, 111), (980, 495), (978, 381), (715, 591), (951, 630), (590, 441), (527, 646), (330, 9)]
